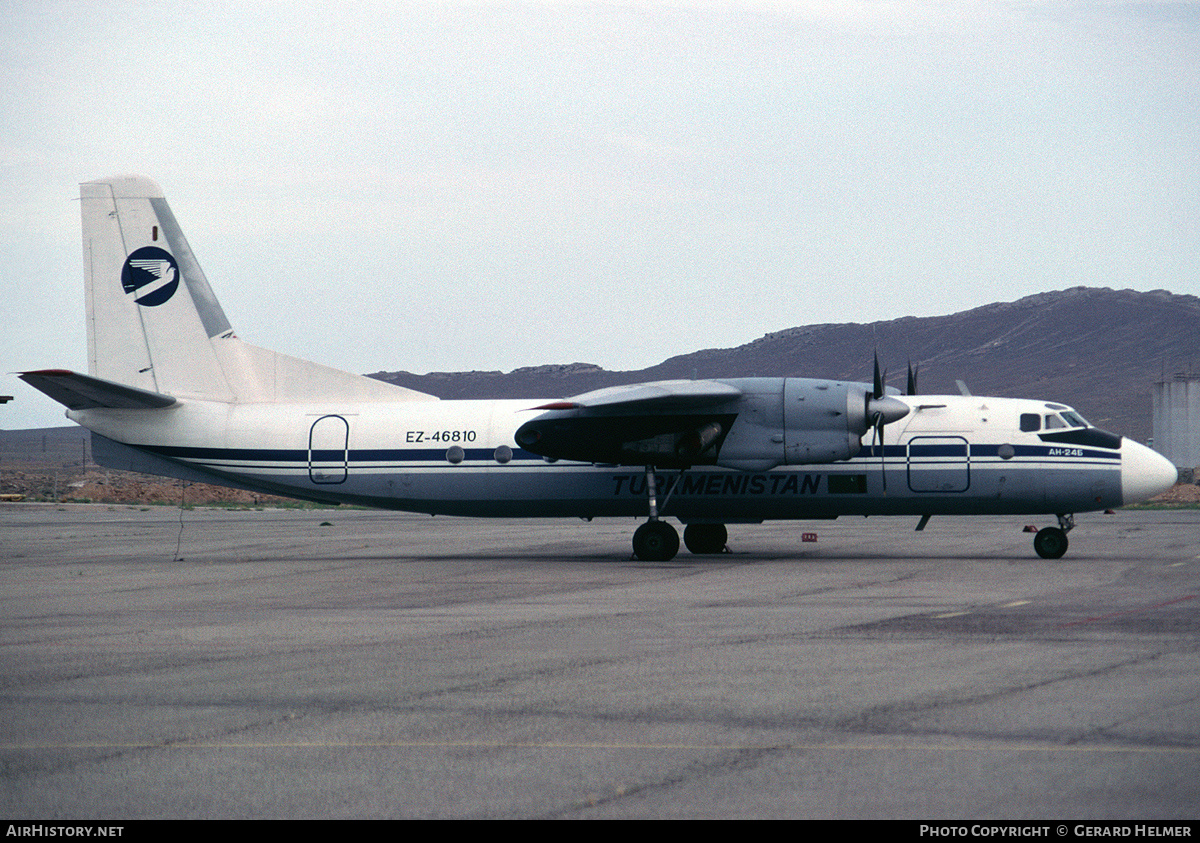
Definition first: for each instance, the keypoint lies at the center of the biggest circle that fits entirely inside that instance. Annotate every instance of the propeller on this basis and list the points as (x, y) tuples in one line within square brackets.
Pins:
[(912, 378), (883, 409)]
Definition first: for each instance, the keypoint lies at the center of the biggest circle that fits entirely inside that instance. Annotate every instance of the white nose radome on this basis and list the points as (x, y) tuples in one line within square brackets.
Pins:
[(1144, 473)]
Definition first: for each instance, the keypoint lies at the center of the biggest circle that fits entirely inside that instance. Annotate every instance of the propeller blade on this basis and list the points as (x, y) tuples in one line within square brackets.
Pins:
[(877, 436), (878, 392), (912, 379), (882, 461)]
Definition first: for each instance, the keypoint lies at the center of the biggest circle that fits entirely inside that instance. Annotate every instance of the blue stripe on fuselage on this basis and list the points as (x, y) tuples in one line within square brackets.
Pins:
[(438, 455)]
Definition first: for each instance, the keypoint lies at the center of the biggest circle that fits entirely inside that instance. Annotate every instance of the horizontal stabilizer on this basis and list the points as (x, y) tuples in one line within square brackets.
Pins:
[(83, 392)]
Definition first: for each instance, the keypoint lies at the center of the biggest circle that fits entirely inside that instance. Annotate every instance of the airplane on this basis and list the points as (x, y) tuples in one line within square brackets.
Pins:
[(172, 391)]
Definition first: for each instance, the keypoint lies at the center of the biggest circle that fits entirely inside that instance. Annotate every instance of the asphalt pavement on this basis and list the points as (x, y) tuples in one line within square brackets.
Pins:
[(165, 663)]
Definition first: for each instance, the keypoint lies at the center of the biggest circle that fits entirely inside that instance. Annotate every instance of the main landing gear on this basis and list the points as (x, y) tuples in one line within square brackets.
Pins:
[(654, 541), (1051, 542), (657, 541), (704, 539)]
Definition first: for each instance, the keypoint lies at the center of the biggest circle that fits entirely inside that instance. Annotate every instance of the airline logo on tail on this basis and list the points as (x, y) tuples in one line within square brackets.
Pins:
[(151, 274)]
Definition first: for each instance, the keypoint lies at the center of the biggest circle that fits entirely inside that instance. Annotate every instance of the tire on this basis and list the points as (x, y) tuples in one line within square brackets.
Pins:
[(655, 541), (704, 539), (1050, 543)]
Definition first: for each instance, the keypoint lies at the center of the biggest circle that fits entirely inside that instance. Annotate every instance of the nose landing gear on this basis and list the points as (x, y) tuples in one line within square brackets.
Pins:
[(1051, 542)]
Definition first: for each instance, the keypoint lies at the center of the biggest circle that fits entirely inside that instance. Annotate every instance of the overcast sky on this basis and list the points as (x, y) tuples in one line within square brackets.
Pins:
[(490, 185)]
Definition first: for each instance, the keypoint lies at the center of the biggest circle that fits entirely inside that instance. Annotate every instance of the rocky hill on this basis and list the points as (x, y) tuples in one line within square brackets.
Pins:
[(1097, 349)]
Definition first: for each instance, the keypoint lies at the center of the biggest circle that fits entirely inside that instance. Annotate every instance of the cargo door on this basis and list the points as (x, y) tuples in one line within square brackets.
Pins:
[(939, 464)]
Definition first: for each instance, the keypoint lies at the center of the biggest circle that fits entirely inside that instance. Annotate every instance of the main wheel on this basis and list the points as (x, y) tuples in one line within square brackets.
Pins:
[(1050, 543), (705, 538), (655, 541)]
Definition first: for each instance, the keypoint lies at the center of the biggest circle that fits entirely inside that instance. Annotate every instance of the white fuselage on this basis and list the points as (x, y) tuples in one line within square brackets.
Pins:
[(951, 454)]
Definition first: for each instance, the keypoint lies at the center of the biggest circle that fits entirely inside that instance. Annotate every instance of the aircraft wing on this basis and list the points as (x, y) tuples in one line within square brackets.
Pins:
[(657, 395), (83, 392), (666, 423)]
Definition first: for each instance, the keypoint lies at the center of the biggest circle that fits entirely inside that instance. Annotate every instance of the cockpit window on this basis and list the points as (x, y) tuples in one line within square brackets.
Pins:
[(1073, 419), (1030, 422), (1053, 421)]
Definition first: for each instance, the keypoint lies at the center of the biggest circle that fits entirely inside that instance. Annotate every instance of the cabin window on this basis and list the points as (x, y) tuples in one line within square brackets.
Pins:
[(1030, 422), (1053, 421)]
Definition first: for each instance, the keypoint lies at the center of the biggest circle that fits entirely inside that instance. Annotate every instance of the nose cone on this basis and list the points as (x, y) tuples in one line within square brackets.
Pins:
[(1144, 473), (888, 408)]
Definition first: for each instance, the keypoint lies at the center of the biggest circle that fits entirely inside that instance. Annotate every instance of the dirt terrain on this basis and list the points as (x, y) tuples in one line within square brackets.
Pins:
[(98, 485), (1181, 493)]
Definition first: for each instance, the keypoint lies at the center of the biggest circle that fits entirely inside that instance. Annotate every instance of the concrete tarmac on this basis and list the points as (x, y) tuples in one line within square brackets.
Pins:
[(389, 665)]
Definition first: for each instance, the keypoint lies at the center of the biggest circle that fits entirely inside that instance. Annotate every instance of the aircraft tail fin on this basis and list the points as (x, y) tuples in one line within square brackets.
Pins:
[(154, 324)]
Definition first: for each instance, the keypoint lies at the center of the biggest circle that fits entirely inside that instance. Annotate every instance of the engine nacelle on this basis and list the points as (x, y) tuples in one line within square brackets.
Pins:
[(798, 421)]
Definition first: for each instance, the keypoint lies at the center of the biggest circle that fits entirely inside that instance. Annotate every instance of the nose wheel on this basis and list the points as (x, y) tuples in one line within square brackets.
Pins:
[(1051, 542)]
